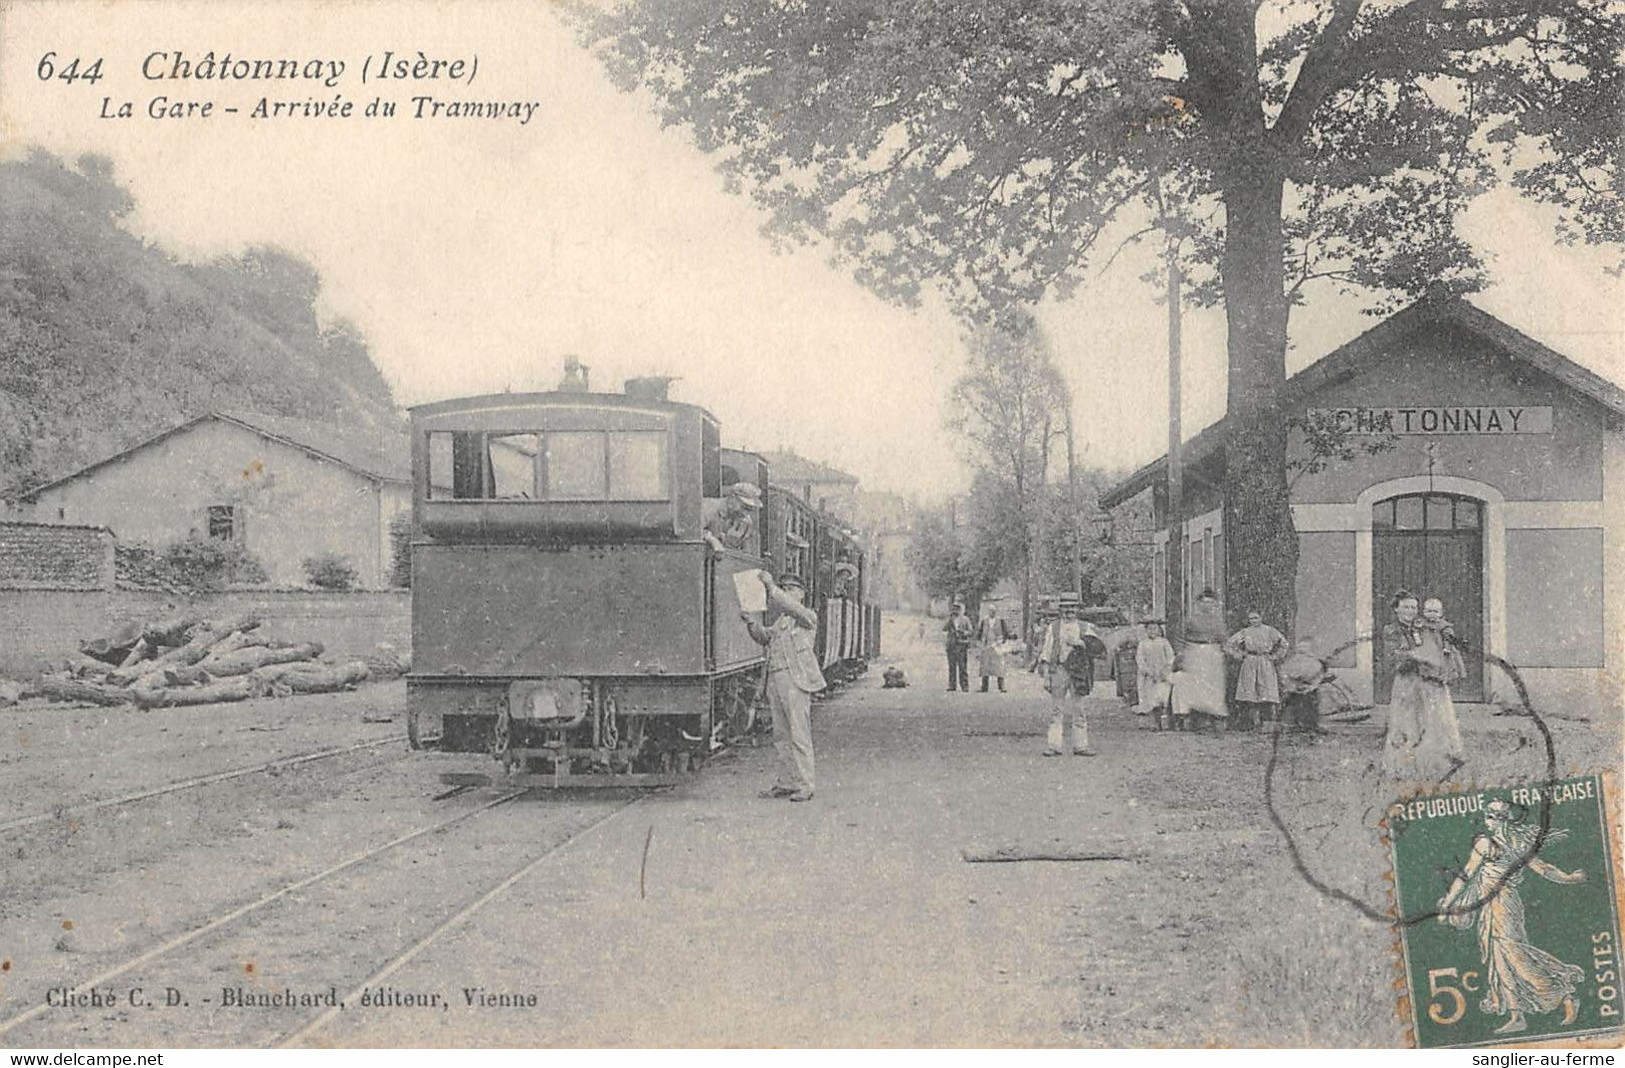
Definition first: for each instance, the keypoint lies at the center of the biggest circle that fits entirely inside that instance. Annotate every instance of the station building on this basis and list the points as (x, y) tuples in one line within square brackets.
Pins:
[(1500, 490)]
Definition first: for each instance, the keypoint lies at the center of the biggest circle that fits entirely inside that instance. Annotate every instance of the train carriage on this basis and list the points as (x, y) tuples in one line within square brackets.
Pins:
[(573, 613)]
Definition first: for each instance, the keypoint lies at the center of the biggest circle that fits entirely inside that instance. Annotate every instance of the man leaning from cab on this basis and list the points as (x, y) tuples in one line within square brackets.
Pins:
[(793, 676)]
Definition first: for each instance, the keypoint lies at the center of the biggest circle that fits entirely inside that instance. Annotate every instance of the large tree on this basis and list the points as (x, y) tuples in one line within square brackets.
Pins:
[(950, 557), (1005, 411), (986, 146)]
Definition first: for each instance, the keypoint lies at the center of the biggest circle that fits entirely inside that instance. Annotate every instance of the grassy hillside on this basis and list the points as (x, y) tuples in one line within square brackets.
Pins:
[(106, 340)]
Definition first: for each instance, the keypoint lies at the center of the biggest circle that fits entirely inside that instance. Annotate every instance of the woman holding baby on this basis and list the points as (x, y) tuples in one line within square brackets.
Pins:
[(1419, 651)]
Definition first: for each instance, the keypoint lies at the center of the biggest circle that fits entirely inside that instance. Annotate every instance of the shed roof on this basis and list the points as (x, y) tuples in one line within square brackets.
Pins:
[(381, 455), (787, 467), (1346, 360), (385, 455)]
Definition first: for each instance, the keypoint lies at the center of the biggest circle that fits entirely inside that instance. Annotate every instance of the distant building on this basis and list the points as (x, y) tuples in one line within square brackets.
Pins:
[(887, 522), (818, 484), (1502, 496), (286, 489)]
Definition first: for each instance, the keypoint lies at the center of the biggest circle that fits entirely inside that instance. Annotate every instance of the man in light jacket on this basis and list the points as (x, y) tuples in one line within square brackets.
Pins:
[(793, 676), (1066, 662)]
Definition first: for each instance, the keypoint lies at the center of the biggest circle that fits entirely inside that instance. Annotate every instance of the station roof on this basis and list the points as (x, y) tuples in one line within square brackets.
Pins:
[(1344, 362)]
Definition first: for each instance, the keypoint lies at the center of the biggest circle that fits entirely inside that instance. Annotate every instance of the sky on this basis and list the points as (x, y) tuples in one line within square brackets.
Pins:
[(477, 254)]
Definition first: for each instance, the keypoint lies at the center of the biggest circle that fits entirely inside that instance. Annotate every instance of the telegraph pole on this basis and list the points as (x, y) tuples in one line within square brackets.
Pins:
[(1072, 497), (1174, 585)]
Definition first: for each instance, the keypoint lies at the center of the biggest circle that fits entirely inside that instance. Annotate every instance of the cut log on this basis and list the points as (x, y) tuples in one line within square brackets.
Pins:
[(138, 652), (170, 675), (176, 630), (270, 673), (284, 679), (114, 647), (10, 692), (182, 675), (198, 646), (386, 666), (190, 653), (66, 688), (232, 642), (245, 621), (242, 661), (239, 689), (85, 667)]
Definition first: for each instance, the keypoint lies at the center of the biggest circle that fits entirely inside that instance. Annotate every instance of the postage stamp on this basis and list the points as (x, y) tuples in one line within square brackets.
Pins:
[(1507, 913)]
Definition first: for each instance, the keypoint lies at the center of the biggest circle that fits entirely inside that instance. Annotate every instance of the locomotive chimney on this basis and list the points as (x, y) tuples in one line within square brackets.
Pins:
[(649, 388)]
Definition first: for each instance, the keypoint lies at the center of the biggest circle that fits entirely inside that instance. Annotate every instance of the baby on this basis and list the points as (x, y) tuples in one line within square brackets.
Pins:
[(1438, 655)]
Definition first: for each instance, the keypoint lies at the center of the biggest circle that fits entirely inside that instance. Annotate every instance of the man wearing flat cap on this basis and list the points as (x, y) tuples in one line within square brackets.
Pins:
[(732, 518), (793, 676)]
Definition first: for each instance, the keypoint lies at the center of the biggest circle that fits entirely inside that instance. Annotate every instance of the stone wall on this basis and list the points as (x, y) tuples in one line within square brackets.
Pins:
[(44, 556)]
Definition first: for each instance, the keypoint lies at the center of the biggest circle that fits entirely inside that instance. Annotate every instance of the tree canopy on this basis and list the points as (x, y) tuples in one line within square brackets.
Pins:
[(986, 146), (989, 148)]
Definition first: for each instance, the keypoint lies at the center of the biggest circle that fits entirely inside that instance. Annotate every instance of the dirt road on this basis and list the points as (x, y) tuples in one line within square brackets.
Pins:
[(707, 916)]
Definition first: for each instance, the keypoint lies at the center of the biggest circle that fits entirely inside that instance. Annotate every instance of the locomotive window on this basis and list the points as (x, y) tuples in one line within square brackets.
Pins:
[(575, 466), (710, 459), (637, 465), (456, 465), (439, 465), (513, 466)]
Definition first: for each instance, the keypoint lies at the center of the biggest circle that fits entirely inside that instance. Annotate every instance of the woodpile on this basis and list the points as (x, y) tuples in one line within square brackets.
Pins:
[(185, 660)]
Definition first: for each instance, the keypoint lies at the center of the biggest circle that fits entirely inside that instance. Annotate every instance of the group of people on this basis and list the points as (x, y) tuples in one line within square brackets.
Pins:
[(1245, 679), (1187, 691), (1421, 657), (1273, 680), (1065, 655), (992, 636)]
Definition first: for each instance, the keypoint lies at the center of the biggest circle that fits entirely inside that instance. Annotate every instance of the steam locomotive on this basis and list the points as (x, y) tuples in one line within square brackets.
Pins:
[(577, 565)]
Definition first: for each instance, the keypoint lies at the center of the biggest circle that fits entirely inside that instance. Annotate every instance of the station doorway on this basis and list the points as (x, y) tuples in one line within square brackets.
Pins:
[(1431, 544)]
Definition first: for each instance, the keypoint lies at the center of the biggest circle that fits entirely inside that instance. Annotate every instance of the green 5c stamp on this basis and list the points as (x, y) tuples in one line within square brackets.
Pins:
[(1507, 914)]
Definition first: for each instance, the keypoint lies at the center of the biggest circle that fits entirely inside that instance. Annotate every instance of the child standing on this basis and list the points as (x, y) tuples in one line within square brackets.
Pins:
[(1153, 663), (1301, 676)]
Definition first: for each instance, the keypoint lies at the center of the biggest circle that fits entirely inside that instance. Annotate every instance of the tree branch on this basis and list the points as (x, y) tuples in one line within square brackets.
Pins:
[(1318, 76)]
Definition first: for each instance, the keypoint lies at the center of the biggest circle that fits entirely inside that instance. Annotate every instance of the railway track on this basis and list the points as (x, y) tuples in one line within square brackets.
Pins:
[(224, 922), (451, 923), (218, 922), (279, 764)]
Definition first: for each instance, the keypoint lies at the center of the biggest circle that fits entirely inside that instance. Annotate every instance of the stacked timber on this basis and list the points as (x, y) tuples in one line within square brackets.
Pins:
[(185, 660)]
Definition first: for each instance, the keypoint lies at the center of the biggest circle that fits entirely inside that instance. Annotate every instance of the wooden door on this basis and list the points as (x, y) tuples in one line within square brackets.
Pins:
[(1433, 546)]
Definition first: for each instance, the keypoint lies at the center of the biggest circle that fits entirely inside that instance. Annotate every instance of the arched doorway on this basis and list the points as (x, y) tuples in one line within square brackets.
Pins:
[(1433, 545)]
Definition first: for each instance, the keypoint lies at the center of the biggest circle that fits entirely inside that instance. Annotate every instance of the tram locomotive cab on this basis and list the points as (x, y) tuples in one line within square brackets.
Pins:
[(571, 614)]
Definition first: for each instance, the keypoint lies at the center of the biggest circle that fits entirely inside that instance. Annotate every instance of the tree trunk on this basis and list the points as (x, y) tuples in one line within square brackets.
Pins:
[(1261, 545)]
